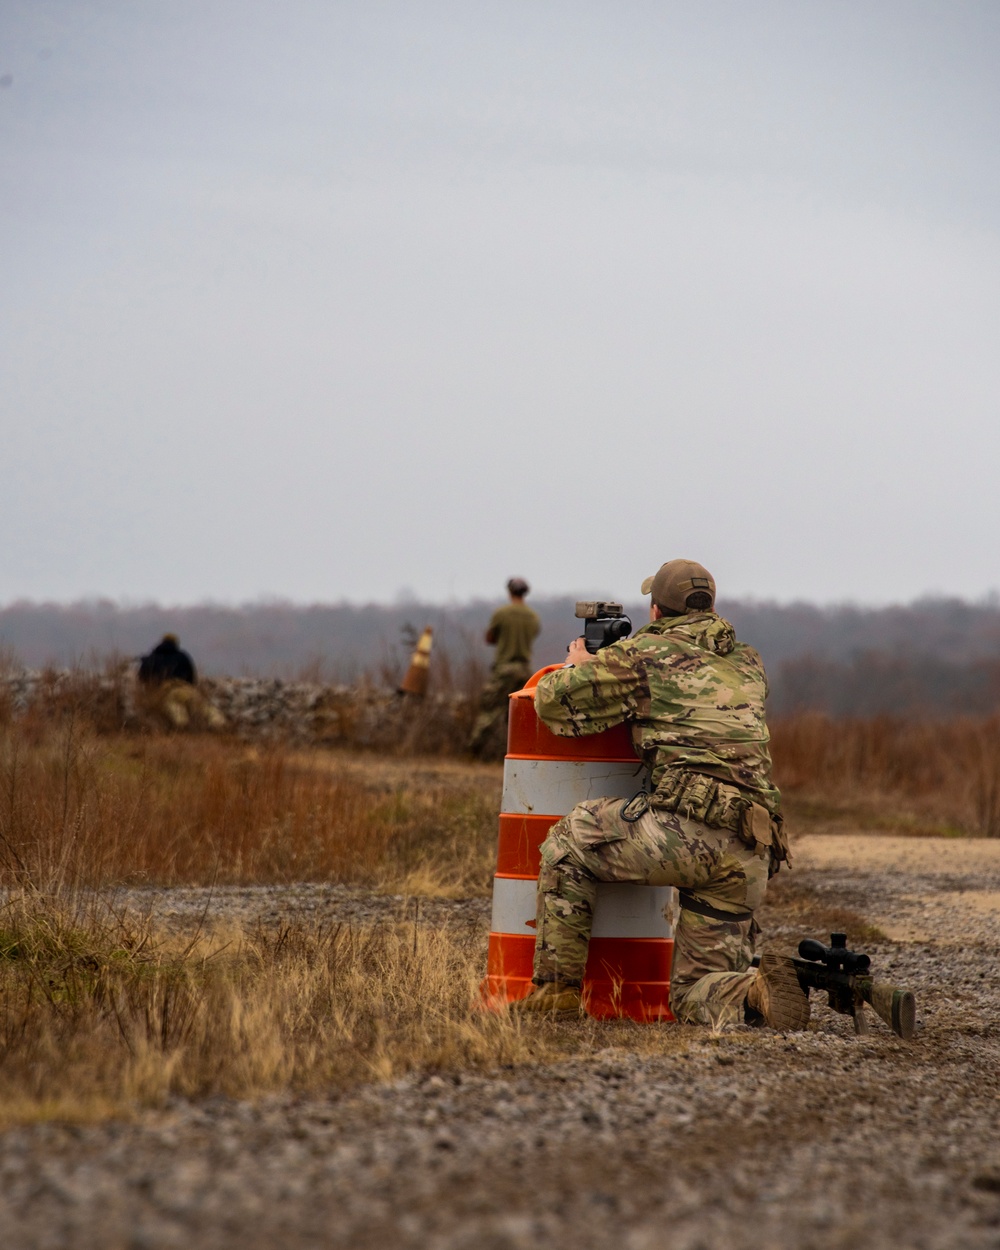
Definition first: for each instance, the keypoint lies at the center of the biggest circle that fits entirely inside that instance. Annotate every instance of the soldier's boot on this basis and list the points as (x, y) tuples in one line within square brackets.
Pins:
[(777, 996), (553, 998)]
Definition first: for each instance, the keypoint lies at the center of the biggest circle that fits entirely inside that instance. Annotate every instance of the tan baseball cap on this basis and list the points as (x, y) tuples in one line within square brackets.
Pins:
[(675, 580)]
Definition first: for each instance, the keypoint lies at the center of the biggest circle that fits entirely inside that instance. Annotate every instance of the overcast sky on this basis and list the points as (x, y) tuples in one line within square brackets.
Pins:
[(348, 300)]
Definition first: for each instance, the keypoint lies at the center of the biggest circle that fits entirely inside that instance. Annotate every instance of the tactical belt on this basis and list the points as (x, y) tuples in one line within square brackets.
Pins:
[(721, 806), (703, 798), (690, 903)]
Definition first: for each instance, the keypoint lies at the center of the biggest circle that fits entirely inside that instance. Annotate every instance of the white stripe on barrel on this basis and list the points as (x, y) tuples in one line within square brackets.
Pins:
[(545, 777), (554, 787), (621, 911)]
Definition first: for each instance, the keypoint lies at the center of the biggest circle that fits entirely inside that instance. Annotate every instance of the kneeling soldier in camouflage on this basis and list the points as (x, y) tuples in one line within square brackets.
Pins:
[(694, 699)]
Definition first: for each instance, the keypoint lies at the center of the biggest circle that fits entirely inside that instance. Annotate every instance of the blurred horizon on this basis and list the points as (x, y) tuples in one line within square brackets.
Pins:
[(932, 657), (407, 598)]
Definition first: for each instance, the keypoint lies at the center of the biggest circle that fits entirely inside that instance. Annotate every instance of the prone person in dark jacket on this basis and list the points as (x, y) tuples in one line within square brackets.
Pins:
[(169, 681), (167, 662)]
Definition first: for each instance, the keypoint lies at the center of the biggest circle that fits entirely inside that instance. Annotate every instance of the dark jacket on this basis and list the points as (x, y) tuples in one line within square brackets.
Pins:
[(167, 662)]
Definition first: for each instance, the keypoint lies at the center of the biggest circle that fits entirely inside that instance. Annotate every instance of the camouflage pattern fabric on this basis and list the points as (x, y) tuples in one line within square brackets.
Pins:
[(181, 706), (693, 696), (694, 700), (711, 969), (489, 733)]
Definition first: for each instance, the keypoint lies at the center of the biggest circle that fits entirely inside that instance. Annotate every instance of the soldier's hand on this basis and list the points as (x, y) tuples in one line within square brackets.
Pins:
[(577, 653)]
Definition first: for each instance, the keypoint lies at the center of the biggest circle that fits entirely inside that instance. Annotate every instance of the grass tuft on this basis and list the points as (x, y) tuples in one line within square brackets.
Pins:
[(97, 1016)]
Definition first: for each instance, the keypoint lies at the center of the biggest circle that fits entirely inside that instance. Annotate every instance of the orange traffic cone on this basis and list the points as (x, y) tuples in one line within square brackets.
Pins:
[(415, 681)]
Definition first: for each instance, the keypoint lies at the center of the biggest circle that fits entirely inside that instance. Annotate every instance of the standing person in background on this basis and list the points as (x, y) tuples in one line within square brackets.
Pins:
[(512, 630)]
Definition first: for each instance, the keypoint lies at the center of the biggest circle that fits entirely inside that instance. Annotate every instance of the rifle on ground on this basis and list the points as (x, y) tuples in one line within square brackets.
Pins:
[(843, 974)]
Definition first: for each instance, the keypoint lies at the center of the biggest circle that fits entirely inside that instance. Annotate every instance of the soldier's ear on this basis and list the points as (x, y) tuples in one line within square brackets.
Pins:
[(654, 611)]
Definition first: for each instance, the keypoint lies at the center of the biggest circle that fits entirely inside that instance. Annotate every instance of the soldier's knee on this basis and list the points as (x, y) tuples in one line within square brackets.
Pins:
[(555, 874), (551, 877), (580, 827), (554, 857), (557, 845)]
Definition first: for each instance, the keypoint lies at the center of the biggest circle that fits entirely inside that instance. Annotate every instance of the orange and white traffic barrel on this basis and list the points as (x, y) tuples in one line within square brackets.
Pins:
[(631, 945)]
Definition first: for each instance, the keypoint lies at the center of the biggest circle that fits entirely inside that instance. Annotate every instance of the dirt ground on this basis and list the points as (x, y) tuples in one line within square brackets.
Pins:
[(658, 1136)]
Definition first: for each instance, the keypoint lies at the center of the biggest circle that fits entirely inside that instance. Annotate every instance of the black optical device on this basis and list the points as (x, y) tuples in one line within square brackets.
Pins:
[(604, 623), (836, 956)]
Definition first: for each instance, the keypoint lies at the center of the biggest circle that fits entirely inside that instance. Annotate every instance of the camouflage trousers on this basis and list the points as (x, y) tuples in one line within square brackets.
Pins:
[(181, 706), (711, 970), (489, 733)]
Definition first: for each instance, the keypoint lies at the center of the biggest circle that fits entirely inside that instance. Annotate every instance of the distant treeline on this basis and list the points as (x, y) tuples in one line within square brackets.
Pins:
[(935, 656)]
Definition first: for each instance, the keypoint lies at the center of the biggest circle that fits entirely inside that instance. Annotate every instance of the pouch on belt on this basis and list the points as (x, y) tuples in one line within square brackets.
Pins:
[(765, 834)]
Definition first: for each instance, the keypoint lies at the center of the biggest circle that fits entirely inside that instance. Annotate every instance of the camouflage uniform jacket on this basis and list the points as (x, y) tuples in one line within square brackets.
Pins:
[(692, 695)]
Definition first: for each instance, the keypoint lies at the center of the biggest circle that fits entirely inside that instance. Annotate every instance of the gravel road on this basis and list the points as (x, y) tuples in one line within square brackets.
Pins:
[(817, 1140)]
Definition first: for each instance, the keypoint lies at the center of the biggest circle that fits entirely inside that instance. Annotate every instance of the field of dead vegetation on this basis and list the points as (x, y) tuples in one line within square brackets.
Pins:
[(237, 1007)]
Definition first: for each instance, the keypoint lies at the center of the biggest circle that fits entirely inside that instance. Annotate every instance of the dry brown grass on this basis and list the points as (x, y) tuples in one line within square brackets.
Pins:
[(98, 1014), (78, 809), (921, 775), (95, 1017), (924, 776)]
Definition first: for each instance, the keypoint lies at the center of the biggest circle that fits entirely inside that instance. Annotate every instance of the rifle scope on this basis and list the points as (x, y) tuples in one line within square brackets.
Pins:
[(836, 956)]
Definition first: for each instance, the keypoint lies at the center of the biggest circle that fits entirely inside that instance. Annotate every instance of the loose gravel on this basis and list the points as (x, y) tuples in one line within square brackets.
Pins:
[(812, 1141), (179, 909)]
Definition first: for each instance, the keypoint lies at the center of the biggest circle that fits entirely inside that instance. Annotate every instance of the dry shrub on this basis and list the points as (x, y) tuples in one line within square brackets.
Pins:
[(99, 698), (983, 767), (815, 750), (948, 769), (76, 809), (95, 1016)]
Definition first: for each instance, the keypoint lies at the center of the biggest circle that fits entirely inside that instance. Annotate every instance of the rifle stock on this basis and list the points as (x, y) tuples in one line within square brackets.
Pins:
[(896, 1006)]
